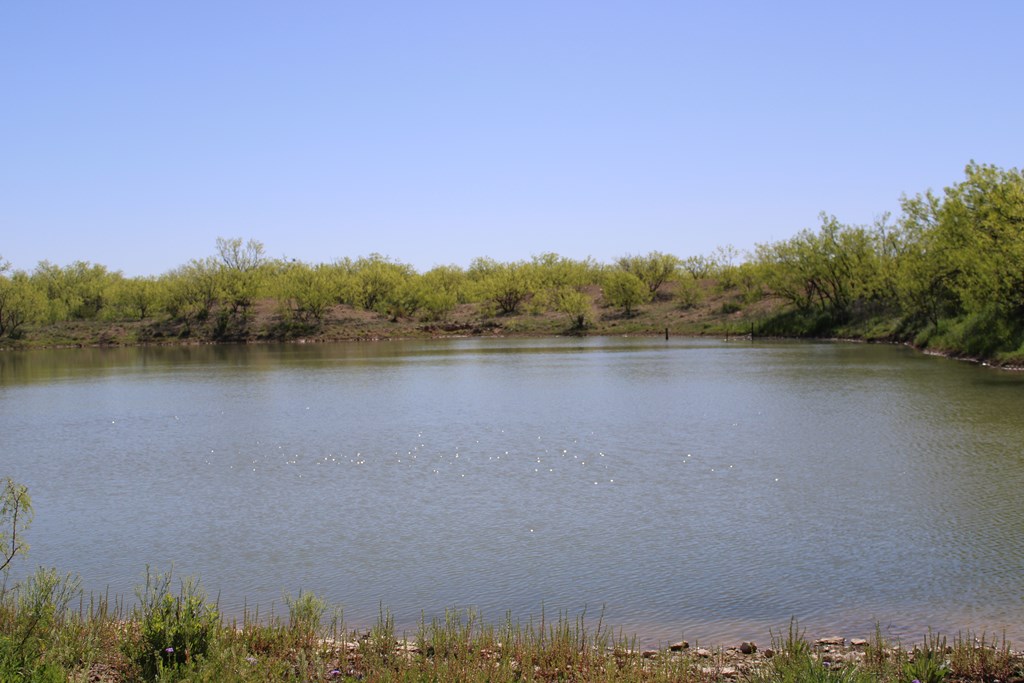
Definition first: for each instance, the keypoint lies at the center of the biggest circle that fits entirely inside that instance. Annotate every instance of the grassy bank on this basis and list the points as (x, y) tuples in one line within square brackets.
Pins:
[(50, 632)]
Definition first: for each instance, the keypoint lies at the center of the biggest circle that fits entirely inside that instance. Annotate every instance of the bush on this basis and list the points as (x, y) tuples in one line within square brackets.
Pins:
[(731, 307), (577, 306), (689, 293), (173, 629), (625, 290), (32, 623), (982, 334)]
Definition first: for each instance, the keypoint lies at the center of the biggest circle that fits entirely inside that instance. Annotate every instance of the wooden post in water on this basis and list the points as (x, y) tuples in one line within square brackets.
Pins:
[(666, 334)]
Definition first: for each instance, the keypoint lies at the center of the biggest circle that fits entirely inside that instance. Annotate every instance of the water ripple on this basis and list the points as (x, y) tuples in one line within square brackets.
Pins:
[(689, 488)]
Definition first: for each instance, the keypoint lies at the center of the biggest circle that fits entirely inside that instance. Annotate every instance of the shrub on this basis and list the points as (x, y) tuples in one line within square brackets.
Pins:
[(173, 629), (29, 644), (731, 307), (689, 293)]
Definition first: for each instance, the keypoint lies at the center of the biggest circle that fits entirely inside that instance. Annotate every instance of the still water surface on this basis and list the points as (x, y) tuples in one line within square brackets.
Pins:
[(687, 488)]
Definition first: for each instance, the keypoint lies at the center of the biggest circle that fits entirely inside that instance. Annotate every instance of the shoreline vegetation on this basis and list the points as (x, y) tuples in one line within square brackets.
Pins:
[(945, 276), (50, 631), (163, 644)]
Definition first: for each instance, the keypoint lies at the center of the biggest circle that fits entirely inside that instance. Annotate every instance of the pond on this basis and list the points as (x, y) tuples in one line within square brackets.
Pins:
[(684, 488)]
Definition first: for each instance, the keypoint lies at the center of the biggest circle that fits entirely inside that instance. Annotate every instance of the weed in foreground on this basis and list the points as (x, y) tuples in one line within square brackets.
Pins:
[(927, 662), (976, 658), (173, 630)]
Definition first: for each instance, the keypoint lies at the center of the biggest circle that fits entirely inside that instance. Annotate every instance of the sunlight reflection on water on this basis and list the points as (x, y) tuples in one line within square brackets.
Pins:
[(688, 487)]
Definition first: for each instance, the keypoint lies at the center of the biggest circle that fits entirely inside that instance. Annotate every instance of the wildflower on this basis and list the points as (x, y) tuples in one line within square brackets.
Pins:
[(169, 650)]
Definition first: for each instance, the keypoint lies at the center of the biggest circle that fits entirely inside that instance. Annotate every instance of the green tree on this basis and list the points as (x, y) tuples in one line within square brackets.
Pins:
[(551, 274), (51, 281), (982, 218), (191, 291), (21, 303), (964, 274), (341, 281), (827, 271), (93, 284), (576, 305), (551, 271), (407, 298), (443, 288), (688, 292), (748, 277), (241, 265), (625, 290), (79, 291), (134, 298), (654, 269), (376, 280), (923, 264), (699, 267), (306, 292), (505, 285), (724, 264)]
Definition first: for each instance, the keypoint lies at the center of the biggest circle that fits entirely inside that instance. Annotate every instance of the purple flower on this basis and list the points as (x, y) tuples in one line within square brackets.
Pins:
[(169, 650)]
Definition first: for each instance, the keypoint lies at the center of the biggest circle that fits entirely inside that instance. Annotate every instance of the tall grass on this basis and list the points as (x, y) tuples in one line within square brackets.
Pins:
[(50, 631)]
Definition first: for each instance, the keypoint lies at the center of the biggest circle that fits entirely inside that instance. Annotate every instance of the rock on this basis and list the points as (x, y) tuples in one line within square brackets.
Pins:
[(832, 640), (728, 672), (858, 642), (769, 653), (649, 654), (681, 645), (701, 652), (748, 647)]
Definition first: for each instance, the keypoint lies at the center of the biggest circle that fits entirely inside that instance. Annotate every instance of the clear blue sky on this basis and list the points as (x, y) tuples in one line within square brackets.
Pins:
[(133, 134)]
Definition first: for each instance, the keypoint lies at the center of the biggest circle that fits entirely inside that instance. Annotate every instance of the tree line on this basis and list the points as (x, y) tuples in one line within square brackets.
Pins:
[(222, 289), (947, 272)]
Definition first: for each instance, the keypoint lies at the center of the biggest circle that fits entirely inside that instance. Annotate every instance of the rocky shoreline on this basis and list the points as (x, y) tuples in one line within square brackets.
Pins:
[(749, 661)]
